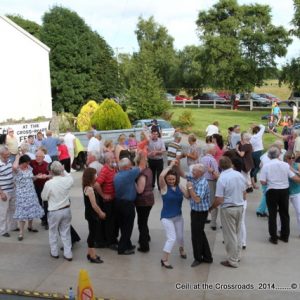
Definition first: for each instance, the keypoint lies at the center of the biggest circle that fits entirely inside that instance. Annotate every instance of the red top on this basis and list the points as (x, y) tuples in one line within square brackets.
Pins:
[(143, 147), (64, 153), (219, 153), (106, 180), (39, 169)]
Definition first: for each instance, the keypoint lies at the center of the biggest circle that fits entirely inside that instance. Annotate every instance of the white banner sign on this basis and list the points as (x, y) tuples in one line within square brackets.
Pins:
[(21, 131)]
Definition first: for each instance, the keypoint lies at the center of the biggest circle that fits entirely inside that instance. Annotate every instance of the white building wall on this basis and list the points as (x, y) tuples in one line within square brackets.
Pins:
[(25, 88)]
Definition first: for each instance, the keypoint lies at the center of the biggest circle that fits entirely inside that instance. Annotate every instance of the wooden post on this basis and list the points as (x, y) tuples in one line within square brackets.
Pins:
[(215, 103), (251, 104)]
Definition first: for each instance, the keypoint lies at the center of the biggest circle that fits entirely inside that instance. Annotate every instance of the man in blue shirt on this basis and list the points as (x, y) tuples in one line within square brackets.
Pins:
[(198, 190), (50, 143), (124, 183)]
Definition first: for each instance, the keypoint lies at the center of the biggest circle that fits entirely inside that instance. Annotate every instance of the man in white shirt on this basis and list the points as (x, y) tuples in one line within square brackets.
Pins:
[(230, 194), (212, 128), (57, 192), (94, 144), (69, 140), (275, 175)]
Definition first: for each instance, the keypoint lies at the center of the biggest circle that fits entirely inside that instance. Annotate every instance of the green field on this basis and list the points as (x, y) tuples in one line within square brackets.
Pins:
[(202, 117)]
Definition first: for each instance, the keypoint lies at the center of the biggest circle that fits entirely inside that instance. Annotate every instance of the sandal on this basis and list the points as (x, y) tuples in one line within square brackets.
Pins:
[(32, 229), (182, 253)]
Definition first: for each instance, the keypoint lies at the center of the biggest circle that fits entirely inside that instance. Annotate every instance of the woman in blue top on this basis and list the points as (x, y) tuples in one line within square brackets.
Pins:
[(171, 215), (294, 189)]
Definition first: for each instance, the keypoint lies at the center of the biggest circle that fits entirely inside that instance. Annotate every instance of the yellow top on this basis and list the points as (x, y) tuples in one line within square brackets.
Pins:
[(12, 144)]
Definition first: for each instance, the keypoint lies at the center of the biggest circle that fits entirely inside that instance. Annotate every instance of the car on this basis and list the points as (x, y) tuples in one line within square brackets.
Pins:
[(270, 97), (167, 129), (182, 98), (257, 100), (210, 98), (225, 95), (170, 97)]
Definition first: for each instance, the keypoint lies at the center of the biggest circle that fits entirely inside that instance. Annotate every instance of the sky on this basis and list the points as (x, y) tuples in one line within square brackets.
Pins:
[(115, 20)]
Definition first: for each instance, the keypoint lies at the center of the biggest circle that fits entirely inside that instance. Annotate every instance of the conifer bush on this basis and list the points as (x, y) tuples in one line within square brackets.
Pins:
[(110, 116), (85, 115)]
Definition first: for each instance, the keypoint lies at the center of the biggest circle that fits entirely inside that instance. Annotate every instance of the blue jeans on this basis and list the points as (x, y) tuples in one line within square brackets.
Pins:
[(262, 208)]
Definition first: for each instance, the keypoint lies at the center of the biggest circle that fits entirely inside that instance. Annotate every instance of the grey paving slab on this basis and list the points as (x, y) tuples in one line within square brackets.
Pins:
[(27, 264)]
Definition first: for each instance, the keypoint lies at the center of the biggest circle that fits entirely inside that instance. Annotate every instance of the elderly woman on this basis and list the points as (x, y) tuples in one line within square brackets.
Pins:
[(27, 203), (144, 201), (63, 155), (171, 214), (57, 192), (25, 147), (294, 188), (93, 212), (244, 150), (193, 151)]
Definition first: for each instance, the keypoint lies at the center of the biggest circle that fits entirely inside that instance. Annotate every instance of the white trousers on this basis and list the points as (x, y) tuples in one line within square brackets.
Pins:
[(7, 210), (295, 199), (59, 222), (71, 153), (247, 178), (243, 232), (174, 231)]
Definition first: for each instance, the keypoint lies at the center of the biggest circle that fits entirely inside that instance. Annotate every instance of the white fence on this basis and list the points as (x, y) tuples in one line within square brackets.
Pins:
[(249, 104)]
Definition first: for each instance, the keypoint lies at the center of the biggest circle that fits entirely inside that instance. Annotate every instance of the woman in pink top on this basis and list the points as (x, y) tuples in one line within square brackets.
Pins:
[(217, 139), (64, 156)]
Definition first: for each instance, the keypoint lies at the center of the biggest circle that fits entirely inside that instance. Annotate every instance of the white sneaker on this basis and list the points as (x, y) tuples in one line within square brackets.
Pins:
[(73, 170)]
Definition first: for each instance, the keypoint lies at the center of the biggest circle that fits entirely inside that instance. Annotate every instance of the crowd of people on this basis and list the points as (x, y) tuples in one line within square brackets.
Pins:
[(118, 182)]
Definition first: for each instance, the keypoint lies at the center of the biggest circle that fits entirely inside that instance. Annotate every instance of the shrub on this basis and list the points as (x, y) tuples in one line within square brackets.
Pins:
[(184, 121), (110, 116), (85, 115)]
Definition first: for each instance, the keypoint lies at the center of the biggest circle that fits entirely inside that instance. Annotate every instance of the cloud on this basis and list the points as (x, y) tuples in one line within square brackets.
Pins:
[(115, 20)]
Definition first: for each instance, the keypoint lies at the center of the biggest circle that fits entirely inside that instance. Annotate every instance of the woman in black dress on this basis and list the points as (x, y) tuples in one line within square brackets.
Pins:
[(93, 212)]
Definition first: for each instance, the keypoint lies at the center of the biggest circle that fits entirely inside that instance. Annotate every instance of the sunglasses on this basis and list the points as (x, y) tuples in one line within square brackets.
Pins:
[(293, 157)]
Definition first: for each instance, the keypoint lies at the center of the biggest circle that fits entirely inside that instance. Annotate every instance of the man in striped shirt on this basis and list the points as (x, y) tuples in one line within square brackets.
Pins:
[(7, 194), (198, 189)]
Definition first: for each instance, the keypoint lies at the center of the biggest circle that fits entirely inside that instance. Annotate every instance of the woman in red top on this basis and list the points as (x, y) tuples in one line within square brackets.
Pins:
[(64, 156)]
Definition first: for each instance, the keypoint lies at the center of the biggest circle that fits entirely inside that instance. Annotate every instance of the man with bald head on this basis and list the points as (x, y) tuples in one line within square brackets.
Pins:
[(39, 166)]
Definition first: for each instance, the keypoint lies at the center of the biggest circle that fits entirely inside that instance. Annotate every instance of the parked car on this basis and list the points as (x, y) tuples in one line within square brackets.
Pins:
[(210, 98), (170, 97), (257, 100), (167, 129), (225, 95), (182, 98), (270, 97)]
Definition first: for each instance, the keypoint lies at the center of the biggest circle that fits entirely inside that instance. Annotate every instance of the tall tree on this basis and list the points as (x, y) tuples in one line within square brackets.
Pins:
[(290, 74), (145, 96), (81, 62), (30, 26), (189, 73), (296, 19), (240, 44), (156, 43)]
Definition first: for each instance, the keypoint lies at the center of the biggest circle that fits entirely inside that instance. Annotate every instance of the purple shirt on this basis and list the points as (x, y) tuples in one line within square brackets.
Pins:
[(209, 162)]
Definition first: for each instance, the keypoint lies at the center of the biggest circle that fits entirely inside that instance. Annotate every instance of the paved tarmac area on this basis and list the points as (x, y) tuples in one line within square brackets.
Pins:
[(27, 265)]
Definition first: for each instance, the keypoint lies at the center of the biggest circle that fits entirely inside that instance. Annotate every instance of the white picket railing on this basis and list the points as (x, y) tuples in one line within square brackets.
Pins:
[(242, 103)]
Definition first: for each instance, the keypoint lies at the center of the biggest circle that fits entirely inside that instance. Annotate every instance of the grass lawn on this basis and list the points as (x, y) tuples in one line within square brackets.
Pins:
[(202, 117)]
